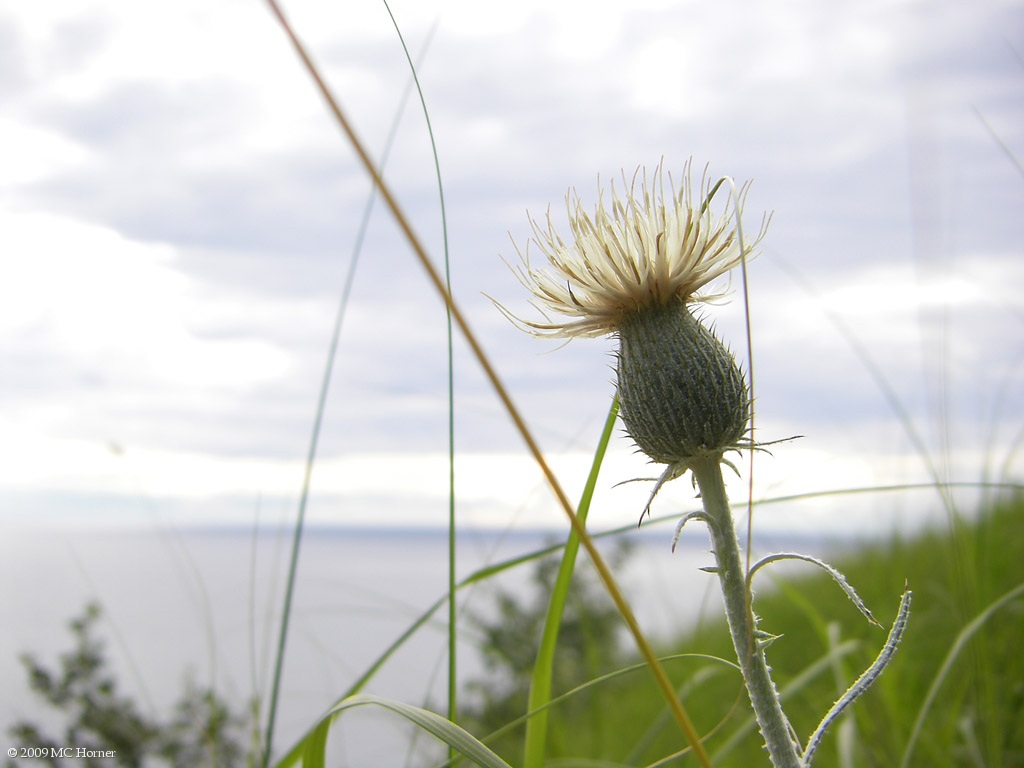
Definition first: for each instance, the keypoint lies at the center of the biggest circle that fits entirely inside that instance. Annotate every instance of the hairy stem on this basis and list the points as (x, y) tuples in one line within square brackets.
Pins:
[(764, 698)]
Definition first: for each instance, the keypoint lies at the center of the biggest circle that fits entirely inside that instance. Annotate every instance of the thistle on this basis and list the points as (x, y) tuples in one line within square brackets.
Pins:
[(636, 271)]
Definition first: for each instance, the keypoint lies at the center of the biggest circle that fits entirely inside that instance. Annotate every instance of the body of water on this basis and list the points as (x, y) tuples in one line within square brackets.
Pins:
[(207, 604)]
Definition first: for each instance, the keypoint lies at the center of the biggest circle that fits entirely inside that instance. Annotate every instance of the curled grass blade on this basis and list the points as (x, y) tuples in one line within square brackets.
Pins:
[(311, 751), (477, 576)]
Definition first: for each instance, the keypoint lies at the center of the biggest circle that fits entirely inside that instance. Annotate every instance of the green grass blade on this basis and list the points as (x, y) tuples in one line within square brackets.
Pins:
[(540, 683), (940, 677), (314, 752), (477, 576), (452, 613), (311, 751), (482, 574), (314, 439), (601, 680)]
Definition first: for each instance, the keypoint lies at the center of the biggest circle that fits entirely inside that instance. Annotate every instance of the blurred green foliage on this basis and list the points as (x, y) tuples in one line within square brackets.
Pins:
[(202, 731), (957, 572)]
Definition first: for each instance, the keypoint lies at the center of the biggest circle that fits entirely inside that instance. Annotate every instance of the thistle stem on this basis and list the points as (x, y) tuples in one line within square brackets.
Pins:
[(775, 728)]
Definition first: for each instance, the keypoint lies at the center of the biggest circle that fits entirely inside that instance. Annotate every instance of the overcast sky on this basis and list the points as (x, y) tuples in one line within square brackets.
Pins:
[(178, 213)]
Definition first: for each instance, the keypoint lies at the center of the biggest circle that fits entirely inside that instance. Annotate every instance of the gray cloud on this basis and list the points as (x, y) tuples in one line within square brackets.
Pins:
[(860, 134)]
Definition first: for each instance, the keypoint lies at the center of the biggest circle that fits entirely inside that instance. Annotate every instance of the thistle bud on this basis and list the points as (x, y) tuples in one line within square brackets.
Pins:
[(681, 392)]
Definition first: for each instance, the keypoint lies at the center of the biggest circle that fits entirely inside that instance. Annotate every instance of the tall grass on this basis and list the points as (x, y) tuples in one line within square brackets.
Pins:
[(578, 527), (314, 440), (875, 738)]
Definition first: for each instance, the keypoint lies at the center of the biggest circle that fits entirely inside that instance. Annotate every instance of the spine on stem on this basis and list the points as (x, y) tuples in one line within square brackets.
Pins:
[(764, 698)]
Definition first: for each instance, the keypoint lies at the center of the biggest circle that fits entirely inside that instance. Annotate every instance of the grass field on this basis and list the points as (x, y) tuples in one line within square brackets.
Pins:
[(956, 684)]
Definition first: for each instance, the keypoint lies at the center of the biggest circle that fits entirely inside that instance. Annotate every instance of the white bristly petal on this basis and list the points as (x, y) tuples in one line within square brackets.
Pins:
[(644, 250)]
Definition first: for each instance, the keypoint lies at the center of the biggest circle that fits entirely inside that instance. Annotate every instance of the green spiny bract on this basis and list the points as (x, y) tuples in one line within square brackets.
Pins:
[(680, 390)]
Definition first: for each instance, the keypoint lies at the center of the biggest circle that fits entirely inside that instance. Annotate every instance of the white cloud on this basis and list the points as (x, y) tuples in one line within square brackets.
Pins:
[(29, 154), (87, 294), (176, 208)]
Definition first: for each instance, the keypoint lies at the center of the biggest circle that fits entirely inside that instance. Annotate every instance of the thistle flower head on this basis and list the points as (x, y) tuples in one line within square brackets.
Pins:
[(633, 271), (650, 249)]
